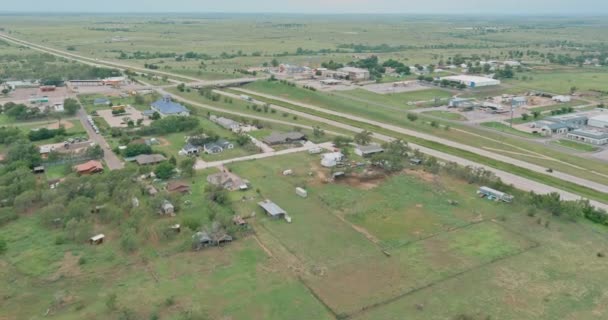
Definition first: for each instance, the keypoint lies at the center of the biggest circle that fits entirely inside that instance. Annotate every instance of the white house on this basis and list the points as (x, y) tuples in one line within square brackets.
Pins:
[(562, 98), (331, 159)]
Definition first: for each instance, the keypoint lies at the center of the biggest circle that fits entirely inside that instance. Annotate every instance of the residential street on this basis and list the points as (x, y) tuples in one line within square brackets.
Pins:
[(200, 164), (112, 161)]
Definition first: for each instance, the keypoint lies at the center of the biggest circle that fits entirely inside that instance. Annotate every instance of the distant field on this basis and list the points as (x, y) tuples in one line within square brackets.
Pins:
[(583, 79)]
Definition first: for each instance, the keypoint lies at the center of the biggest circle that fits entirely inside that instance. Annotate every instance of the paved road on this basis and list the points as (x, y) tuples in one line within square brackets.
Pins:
[(509, 178), (200, 164), (112, 161), (564, 176), (122, 66), (522, 183)]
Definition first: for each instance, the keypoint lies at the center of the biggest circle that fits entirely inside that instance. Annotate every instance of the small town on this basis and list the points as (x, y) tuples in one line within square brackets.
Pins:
[(303, 162)]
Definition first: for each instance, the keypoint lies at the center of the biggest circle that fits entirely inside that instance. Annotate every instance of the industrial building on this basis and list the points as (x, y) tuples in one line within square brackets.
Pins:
[(473, 81), (600, 121), (356, 74), (573, 121), (518, 101), (589, 136)]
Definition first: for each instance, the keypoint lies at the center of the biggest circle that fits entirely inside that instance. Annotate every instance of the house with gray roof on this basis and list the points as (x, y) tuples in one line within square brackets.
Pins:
[(189, 149), (226, 123), (218, 146), (149, 159), (282, 138), (167, 107), (368, 150)]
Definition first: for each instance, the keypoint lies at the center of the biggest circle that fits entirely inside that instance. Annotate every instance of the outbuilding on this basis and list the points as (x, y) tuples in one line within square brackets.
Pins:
[(272, 209), (98, 239), (368, 150), (494, 194), (301, 192)]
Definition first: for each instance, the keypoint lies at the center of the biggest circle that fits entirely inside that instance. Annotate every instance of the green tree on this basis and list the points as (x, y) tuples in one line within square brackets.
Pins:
[(164, 170), (216, 194), (274, 63), (341, 141), (525, 116), (71, 106), (186, 166), (363, 138), (412, 116)]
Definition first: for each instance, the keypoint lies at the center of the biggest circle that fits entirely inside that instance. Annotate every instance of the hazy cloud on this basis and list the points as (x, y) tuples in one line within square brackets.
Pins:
[(596, 7)]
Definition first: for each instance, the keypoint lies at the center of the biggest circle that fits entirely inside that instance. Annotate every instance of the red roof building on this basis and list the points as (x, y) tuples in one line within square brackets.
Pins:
[(89, 167)]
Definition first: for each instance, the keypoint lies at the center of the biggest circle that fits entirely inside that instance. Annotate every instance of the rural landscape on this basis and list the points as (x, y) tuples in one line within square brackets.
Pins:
[(303, 166)]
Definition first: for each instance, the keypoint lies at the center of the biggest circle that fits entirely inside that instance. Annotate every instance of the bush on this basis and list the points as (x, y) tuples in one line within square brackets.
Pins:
[(3, 247), (164, 170), (82, 261)]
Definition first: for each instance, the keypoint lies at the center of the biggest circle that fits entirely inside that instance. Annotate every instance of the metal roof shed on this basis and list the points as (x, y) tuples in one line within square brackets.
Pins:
[(272, 209)]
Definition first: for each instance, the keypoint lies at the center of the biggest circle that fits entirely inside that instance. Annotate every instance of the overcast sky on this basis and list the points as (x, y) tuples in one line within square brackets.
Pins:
[(531, 7)]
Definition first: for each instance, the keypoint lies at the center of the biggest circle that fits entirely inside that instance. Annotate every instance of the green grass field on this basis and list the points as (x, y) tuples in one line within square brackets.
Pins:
[(575, 145), (446, 115), (506, 128)]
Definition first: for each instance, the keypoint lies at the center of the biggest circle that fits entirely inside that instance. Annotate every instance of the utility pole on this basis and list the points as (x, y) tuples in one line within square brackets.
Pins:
[(511, 123)]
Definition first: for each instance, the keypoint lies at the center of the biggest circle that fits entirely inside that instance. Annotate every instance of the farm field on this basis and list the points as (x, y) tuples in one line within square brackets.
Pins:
[(338, 246)]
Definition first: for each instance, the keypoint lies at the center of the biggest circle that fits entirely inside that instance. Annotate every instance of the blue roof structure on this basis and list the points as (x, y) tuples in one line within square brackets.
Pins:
[(99, 101), (167, 107)]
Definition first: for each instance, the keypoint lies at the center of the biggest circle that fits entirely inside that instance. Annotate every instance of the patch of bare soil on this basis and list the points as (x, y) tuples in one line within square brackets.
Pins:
[(366, 180), (69, 267), (65, 124), (421, 174), (163, 142)]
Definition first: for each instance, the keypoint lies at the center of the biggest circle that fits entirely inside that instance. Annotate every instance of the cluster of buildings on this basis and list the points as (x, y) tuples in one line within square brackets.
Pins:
[(593, 130), (332, 77)]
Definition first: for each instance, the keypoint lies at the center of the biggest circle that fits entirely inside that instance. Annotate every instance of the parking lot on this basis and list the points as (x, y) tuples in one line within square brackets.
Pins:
[(118, 121)]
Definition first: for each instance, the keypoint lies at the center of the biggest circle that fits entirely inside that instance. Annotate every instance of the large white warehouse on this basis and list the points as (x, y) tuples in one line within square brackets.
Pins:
[(600, 121), (473, 81)]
